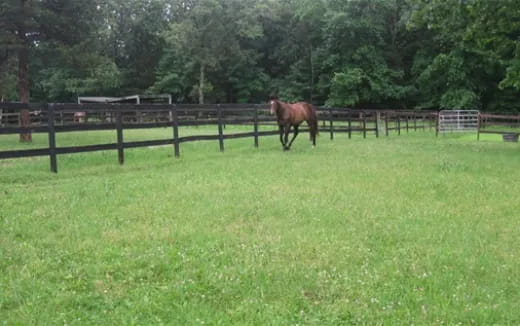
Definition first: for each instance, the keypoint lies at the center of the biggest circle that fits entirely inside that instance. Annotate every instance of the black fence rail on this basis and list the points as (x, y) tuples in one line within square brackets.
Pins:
[(506, 125), (56, 117)]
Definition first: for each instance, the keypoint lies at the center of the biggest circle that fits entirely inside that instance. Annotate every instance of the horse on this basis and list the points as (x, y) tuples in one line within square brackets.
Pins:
[(80, 117), (293, 114)]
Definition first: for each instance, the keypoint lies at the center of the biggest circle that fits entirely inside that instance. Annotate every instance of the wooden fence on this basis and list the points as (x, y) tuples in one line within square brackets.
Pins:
[(498, 124), (55, 118)]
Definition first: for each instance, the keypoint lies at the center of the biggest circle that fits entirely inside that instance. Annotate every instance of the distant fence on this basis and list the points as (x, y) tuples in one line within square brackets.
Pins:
[(498, 124), (56, 117)]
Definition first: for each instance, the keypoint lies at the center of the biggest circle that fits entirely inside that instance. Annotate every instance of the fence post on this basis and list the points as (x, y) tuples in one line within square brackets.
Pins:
[(414, 121), (386, 124), (331, 125), (437, 125), (398, 124), (220, 131), (255, 130), (478, 128), (52, 138), (349, 125), (364, 125), (378, 116), (407, 126), (175, 120), (119, 127)]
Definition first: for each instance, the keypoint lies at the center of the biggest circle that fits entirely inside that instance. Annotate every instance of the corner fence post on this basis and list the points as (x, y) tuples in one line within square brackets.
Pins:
[(52, 138), (220, 131), (119, 128), (175, 124), (255, 127)]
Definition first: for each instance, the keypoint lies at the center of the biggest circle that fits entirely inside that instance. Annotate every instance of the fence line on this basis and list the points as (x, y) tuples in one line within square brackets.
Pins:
[(119, 117)]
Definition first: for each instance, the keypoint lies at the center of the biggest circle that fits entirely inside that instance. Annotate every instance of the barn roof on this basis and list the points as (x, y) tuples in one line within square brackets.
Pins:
[(131, 98)]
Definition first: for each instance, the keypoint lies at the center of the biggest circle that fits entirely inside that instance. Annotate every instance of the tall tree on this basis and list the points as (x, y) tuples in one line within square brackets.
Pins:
[(132, 38), (17, 22), (30, 26), (363, 38), (477, 61), (210, 32)]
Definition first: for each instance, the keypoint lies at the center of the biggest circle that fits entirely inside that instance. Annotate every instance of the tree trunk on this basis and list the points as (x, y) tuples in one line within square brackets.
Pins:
[(201, 84), (312, 74), (23, 79)]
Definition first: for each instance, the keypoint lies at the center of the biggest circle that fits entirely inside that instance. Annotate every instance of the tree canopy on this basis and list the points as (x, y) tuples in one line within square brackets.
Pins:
[(414, 54)]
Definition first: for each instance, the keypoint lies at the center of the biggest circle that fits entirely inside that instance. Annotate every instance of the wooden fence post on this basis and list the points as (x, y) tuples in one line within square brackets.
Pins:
[(175, 120), (255, 130), (378, 116), (364, 125), (349, 125), (386, 124), (220, 131), (398, 124), (119, 127), (414, 121), (52, 138), (407, 117), (331, 125), (478, 128), (437, 125)]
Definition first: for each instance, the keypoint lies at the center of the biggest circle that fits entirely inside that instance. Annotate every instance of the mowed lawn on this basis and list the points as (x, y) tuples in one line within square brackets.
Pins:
[(399, 230)]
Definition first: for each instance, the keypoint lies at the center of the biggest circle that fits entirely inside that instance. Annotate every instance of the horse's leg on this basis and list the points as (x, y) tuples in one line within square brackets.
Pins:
[(294, 136), (313, 127), (286, 137), (280, 128), (313, 136)]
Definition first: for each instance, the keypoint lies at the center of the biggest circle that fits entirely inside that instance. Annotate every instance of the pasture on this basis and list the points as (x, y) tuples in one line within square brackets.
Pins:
[(408, 229)]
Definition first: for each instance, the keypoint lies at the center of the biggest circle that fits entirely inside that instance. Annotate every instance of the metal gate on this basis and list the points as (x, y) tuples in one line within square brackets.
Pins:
[(458, 121)]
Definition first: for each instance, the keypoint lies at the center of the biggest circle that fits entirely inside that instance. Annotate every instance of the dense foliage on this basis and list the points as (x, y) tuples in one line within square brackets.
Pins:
[(366, 53)]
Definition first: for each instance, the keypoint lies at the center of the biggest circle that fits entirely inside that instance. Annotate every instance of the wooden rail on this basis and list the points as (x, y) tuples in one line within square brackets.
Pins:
[(119, 117)]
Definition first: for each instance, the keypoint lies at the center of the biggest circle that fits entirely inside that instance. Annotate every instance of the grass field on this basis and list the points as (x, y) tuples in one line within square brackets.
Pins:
[(398, 230)]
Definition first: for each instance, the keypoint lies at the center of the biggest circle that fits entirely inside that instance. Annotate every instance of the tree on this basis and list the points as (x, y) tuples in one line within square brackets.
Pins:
[(131, 36), (16, 21), (210, 32), (29, 26), (477, 61), (367, 67)]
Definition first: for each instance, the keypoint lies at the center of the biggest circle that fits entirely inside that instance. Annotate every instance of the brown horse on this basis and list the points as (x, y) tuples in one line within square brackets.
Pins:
[(293, 115)]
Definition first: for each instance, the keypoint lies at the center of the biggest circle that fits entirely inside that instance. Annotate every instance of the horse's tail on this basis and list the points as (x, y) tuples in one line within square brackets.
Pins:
[(313, 120)]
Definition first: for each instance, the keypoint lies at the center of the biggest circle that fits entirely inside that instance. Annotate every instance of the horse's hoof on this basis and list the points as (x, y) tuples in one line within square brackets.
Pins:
[(285, 149)]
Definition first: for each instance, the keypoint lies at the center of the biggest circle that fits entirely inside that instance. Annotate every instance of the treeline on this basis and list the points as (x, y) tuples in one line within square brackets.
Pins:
[(455, 54)]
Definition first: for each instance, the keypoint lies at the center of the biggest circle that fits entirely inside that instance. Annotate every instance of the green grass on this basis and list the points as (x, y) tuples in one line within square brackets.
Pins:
[(399, 230)]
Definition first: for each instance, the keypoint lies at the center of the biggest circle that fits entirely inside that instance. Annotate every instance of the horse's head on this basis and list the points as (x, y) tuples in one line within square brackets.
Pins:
[(274, 103)]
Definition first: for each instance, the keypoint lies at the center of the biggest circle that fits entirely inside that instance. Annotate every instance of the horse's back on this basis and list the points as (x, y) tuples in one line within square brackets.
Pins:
[(309, 110)]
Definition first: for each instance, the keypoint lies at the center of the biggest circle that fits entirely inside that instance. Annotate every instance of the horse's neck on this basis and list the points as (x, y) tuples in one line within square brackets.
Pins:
[(281, 112)]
